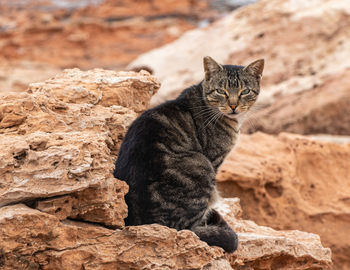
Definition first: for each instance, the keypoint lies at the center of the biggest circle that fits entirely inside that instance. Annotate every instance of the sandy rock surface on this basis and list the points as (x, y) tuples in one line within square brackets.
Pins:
[(301, 41), (37, 240), (264, 248), (293, 182), (61, 138), (61, 208)]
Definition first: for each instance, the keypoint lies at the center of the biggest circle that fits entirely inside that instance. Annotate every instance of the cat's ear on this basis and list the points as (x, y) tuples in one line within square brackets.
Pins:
[(210, 67), (256, 68)]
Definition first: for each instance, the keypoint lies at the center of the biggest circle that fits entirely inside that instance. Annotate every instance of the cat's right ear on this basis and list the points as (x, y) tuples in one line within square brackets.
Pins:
[(210, 67)]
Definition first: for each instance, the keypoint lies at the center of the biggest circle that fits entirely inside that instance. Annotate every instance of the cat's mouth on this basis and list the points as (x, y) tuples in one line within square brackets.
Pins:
[(232, 115)]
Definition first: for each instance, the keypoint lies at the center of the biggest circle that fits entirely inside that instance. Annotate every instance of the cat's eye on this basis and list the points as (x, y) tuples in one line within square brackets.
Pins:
[(221, 91), (245, 92)]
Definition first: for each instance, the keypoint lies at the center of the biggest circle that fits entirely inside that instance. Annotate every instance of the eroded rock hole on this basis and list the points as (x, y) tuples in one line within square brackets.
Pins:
[(20, 157), (274, 189)]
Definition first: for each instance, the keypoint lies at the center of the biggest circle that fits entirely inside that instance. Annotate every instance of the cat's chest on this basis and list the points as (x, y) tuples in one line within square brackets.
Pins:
[(219, 143)]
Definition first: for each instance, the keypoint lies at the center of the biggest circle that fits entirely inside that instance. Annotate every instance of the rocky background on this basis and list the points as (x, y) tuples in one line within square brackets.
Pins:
[(286, 185)]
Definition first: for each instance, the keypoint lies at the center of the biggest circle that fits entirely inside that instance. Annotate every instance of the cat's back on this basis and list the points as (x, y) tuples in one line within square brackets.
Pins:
[(167, 127)]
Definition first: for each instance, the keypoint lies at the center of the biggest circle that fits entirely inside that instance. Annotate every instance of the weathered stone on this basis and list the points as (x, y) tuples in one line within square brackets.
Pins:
[(61, 139), (40, 241), (264, 248), (101, 87), (293, 182)]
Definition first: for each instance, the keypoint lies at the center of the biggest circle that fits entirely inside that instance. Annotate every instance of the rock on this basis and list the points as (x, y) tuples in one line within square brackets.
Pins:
[(324, 108), (59, 141), (293, 182), (38, 240), (264, 248), (281, 31), (101, 87)]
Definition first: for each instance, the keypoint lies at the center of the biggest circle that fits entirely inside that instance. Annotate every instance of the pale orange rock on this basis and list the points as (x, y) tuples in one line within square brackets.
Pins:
[(293, 182), (38, 240), (62, 137), (101, 87), (264, 248), (301, 41)]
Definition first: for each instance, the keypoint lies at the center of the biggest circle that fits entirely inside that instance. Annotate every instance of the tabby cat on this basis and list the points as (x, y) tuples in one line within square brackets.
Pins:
[(171, 153)]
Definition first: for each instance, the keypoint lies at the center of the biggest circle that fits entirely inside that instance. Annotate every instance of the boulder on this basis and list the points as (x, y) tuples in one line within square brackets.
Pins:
[(284, 33), (35, 240), (61, 139), (293, 182), (39, 240), (264, 248)]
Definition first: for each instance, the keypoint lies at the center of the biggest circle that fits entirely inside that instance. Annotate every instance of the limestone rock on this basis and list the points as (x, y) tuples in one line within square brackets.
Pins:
[(101, 87), (264, 248), (301, 41), (293, 182), (61, 139), (38, 240)]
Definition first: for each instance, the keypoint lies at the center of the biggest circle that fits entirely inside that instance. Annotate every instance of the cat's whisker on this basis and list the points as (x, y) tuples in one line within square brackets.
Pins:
[(212, 119)]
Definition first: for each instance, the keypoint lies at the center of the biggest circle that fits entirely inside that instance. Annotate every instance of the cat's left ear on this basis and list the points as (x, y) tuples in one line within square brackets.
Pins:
[(256, 68), (210, 67)]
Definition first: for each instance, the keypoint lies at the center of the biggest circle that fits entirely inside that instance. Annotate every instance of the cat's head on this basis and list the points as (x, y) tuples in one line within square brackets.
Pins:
[(231, 89)]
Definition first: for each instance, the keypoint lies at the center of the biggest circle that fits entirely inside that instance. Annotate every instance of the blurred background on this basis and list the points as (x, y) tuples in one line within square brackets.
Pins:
[(40, 37), (306, 83)]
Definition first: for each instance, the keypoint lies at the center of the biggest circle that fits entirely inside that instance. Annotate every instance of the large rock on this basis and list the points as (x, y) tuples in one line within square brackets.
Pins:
[(293, 182), (324, 108), (264, 248), (61, 139), (283, 32), (37, 240)]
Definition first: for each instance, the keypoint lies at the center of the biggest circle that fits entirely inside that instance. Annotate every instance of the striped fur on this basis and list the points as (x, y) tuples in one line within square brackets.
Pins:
[(171, 153)]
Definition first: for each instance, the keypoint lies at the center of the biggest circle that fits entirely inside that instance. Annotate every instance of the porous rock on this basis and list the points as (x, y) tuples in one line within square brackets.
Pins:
[(61, 139), (293, 182), (264, 248), (37, 240)]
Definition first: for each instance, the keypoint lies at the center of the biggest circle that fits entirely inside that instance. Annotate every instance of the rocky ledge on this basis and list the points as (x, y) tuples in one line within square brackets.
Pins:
[(61, 208)]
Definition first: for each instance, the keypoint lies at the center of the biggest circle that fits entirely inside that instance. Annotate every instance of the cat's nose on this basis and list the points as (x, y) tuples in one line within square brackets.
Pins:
[(233, 108)]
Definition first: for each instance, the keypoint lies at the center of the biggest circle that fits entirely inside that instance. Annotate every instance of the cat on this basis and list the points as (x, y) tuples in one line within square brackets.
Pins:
[(171, 153)]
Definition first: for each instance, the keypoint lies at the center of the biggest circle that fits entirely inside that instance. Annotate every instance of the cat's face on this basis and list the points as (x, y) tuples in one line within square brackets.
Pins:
[(232, 89)]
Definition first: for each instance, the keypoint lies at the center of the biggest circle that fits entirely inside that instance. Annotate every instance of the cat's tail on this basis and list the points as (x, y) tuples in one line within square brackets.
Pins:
[(216, 232)]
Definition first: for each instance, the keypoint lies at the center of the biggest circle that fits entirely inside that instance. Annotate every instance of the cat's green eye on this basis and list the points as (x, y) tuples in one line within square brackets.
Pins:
[(221, 91), (245, 92)]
